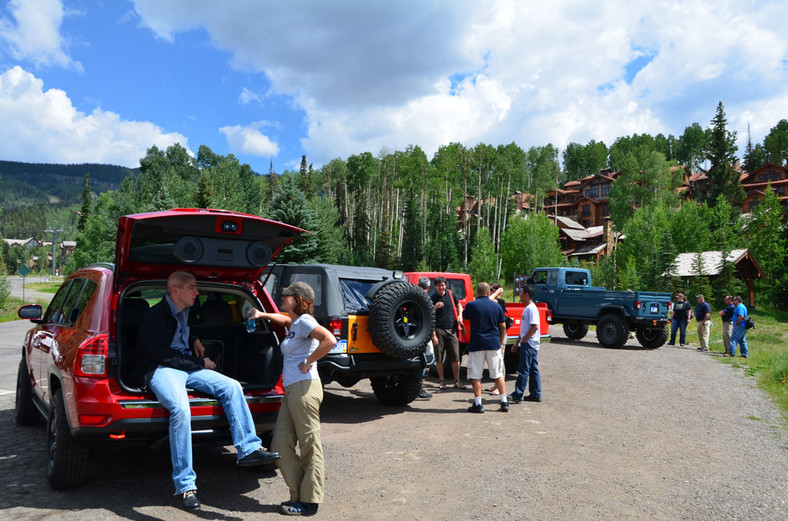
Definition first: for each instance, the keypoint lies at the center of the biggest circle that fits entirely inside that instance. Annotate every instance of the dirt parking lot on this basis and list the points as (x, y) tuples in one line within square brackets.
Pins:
[(621, 434)]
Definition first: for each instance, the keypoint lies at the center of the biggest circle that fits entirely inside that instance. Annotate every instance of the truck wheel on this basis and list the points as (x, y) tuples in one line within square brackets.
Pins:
[(401, 320), (396, 390), (612, 330), (652, 338), (575, 330), (67, 459), (26, 412)]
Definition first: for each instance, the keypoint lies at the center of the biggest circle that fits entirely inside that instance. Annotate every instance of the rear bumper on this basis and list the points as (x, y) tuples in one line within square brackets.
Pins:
[(369, 365)]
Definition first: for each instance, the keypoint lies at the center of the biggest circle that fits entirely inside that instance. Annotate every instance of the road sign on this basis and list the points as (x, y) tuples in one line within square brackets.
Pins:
[(24, 270)]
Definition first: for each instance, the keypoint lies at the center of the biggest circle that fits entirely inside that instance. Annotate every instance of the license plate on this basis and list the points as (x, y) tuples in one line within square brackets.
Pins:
[(340, 347), (655, 308)]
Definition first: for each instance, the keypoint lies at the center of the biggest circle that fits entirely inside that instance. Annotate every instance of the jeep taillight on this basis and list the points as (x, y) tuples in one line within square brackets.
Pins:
[(336, 327), (91, 359), (637, 305), (549, 316)]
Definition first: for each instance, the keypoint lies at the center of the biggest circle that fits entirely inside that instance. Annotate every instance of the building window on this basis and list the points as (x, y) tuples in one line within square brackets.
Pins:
[(753, 204), (586, 210), (605, 210), (592, 191), (605, 189)]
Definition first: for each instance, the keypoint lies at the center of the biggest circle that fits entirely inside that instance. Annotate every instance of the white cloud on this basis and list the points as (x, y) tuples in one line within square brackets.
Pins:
[(43, 126), (247, 96), (249, 140), (370, 75), (36, 34)]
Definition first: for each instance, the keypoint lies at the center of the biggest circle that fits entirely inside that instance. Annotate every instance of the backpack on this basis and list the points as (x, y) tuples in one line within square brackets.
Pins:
[(749, 323)]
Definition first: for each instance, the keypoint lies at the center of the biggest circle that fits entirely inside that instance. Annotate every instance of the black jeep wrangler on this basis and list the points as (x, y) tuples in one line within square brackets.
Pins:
[(382, 322)]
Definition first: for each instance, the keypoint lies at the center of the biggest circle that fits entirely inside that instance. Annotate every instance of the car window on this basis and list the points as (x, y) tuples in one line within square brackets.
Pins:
[(70, 310), (54, 314), (353, 292), (575, 278), (539, 277), (81, 301), (313, 279)]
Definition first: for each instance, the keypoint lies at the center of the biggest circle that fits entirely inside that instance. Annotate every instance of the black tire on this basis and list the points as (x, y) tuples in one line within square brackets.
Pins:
[(26, 412), (612, 330), (396, 390), (401, 320), (575, 330), (67, 459), (652, 338)]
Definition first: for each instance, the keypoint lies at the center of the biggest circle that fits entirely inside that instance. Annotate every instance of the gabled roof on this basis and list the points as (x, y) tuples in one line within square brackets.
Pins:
[(711, 263), (566, 222)]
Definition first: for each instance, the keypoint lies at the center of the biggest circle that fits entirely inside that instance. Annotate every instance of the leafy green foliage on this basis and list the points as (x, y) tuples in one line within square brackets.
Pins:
[(529, 243), (484, 261), (290, 206)]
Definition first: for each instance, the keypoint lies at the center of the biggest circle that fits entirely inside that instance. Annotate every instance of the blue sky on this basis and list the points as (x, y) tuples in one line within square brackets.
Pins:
[(103, 80)]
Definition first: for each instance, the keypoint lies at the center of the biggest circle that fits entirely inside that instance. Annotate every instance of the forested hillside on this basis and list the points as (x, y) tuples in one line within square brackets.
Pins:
[(29, 184)]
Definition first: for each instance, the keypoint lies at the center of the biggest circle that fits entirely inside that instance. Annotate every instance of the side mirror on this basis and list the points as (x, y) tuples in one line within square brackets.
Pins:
[(30, 312)]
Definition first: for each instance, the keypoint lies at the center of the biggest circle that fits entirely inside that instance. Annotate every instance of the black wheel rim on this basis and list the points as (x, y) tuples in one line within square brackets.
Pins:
[(408, 320)]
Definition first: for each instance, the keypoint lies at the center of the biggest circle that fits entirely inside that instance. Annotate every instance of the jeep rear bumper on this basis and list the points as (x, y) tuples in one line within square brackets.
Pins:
[(372, 365)]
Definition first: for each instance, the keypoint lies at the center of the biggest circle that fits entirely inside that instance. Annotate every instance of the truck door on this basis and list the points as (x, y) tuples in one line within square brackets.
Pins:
[(574, 301), (541, 291)]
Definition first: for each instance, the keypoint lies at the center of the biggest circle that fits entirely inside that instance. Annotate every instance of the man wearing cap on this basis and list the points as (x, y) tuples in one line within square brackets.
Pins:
[(703, 316), (176, 361), (424, 283), (739, 329), (727, 322)]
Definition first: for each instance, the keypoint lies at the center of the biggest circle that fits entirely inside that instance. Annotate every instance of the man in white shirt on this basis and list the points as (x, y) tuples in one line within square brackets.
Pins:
[(529, 348)]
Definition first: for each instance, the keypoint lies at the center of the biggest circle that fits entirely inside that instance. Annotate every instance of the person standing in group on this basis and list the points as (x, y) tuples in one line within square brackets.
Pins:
[(495, 294), (448, 312), (739, 329), (727, 322), (487, 342), (682, 313), (424, 283), (298, 422), (174, 360), (528, 369), (703, 317)]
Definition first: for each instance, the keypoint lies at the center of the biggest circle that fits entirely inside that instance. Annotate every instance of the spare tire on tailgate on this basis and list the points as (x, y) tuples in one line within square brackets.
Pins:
[(401, 319)]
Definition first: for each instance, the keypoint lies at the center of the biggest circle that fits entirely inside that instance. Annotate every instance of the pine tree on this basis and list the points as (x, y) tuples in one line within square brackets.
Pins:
[(721, 148), (289, 205), (484, 261), (87, 204)]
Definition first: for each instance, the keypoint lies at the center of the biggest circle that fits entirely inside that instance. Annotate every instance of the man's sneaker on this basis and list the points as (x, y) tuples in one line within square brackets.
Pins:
[(258, 457), (297, 508), (504, 406), (442, 385), (476, 408), (458, 385), (532, 398), (515, 398), (424, 394), (189, 500), (670, 344)]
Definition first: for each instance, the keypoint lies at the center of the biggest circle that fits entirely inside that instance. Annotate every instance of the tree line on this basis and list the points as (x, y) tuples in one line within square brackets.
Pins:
[(398, 209)]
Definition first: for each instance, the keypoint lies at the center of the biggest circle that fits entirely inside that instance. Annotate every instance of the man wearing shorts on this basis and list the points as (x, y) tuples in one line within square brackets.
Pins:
[(444, 304), (487, 342)]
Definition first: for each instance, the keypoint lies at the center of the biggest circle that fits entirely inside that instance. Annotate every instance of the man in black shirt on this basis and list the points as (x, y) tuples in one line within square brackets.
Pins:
[(445, 304)]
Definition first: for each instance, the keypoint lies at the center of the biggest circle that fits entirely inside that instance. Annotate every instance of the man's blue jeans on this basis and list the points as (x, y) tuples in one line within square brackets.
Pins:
[(170, 385), (737, 337), (528, 372), (681, 326)]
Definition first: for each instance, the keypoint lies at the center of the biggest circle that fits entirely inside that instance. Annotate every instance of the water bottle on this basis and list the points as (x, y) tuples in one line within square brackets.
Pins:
[(251, 325)]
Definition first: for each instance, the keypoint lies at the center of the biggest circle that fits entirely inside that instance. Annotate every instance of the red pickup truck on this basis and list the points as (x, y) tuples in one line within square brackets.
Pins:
[(462, 288)]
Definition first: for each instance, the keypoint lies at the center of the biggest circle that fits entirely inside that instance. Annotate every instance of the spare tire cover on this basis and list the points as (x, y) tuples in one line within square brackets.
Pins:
[(401, 319)]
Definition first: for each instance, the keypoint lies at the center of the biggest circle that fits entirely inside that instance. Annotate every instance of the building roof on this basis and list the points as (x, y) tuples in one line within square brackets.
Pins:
[(711, 262)]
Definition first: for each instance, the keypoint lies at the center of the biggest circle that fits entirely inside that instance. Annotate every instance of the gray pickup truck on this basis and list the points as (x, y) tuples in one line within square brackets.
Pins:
[(576, 304)]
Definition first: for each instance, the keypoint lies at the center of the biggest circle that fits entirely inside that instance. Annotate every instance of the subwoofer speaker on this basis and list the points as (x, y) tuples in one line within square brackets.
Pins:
[(188, 250), (258, 254)]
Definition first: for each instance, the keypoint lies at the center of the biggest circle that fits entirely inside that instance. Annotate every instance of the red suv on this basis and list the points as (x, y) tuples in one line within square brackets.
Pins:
[(78, 362)]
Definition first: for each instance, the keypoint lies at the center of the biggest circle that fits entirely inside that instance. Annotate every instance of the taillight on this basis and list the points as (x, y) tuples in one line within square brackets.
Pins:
[(91, 359), (670, 306), (336, 327), (637, 305), (549, 315)]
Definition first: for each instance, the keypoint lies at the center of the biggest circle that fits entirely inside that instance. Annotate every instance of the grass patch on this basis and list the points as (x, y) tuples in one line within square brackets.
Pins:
[(45, 287), (12, 305)]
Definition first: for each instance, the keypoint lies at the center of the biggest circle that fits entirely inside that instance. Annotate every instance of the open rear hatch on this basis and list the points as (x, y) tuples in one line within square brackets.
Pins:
[(211, 244)]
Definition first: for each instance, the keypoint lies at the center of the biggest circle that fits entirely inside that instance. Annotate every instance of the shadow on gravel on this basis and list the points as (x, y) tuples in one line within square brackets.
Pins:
[(124, 480), (348, 406), (596, 345)]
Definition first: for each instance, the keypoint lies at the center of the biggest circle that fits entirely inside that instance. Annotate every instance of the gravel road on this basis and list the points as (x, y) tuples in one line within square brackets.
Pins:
[(621, 434)]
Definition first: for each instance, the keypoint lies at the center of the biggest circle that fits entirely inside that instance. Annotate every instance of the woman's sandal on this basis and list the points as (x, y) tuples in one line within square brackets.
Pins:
[(493, 390)]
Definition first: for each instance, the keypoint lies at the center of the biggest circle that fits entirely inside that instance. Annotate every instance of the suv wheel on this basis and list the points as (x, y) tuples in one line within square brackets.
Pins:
[(652, 338), (396, 390), (612, 330), (26, 412), (401, 320), (67, 459)]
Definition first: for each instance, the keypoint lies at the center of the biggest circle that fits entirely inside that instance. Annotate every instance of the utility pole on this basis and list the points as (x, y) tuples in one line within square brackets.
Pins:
[(54, 244)]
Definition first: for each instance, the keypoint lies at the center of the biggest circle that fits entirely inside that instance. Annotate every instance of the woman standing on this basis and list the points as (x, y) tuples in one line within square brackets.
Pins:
[(298, 422)]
